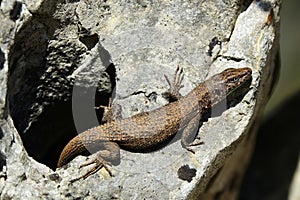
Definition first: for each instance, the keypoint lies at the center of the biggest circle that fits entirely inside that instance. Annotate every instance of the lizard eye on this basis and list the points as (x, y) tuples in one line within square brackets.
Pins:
[(233, 80)]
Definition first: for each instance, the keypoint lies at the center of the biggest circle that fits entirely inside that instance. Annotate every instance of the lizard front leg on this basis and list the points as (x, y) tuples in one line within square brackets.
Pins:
[(190, 131), (188, 138), (173, 93)]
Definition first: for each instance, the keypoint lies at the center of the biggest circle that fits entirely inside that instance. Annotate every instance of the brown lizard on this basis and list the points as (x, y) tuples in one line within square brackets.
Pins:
[(151, 130)]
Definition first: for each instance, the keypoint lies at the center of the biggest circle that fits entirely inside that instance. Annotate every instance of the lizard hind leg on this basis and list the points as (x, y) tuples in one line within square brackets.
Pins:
[(99, 163), (112, 112), (107, 156), (173, 93)]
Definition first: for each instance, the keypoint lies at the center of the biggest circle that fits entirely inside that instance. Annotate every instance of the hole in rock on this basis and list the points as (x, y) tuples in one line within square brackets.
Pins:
[(16, 11), (43, 120)]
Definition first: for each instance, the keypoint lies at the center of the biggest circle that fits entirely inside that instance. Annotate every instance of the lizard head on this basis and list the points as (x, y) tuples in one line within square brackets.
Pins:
[(228, 82), (233, 78)]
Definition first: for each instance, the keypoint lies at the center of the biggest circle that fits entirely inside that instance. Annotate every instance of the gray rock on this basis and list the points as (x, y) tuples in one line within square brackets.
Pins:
[(57, 56)]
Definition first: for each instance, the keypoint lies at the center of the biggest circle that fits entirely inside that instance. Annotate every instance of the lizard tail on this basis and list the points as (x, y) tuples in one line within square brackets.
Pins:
[(72, 149)]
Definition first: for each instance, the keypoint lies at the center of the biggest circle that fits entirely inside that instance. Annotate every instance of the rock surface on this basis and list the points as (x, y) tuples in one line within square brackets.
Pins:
[(58, 59), (294, 191), (273, 173)]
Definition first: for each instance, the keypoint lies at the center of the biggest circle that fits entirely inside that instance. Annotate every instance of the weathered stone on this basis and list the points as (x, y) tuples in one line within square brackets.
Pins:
[(95, 45)]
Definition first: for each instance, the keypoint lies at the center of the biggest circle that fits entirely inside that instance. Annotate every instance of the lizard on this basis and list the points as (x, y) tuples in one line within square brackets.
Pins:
[(148, 131)]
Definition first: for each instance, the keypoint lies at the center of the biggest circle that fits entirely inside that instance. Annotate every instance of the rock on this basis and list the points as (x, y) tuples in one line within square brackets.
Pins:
[(294, 192), (59, 59), (272, 173)]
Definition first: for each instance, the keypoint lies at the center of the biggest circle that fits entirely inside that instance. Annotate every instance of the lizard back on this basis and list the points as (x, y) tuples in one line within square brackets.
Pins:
[(150, 130)]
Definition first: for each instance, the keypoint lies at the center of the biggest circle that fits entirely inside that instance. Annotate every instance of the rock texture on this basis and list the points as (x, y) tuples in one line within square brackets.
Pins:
[(273, 173), (59, 59)]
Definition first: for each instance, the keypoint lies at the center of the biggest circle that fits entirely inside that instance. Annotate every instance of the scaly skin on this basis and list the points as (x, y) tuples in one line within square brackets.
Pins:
[(152, 130)]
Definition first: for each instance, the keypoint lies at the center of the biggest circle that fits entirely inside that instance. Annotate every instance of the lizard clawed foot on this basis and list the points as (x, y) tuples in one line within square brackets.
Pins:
[(108, 113), (173, 94), (99, 163), (111, 112), (194, 143)]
